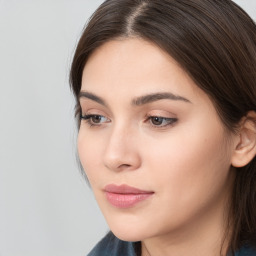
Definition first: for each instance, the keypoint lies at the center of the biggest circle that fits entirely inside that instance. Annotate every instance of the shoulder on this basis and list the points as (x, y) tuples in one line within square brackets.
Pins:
[(111, 245)]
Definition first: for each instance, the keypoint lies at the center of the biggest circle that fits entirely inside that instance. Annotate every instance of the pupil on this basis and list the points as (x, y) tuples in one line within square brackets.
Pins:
[(96, 119), (157, 120)]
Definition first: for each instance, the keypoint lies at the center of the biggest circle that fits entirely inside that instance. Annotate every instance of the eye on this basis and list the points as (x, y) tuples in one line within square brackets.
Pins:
[(159, 121), (94, 120)]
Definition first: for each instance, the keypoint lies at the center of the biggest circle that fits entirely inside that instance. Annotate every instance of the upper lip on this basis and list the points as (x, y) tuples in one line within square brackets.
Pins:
[(124, 189)]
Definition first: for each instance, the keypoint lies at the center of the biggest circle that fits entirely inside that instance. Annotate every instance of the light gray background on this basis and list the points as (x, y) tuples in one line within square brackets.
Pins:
[(46, 208)]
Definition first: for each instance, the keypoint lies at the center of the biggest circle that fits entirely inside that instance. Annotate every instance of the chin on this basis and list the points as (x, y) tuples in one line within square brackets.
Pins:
[(131, 237), (129, 232), (128, 224)]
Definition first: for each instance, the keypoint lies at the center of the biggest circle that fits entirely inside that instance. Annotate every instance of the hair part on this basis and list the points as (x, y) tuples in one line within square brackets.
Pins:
[(132, 18)]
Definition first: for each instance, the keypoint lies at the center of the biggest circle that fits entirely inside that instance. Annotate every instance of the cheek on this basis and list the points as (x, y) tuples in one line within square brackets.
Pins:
[(189, 163), (89, 151)]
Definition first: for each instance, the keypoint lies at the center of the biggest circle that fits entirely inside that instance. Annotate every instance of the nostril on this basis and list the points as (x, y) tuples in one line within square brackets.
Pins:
[(124, 166)]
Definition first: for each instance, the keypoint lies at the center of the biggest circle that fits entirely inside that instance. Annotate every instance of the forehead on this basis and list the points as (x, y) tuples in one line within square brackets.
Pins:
[(135, 66)]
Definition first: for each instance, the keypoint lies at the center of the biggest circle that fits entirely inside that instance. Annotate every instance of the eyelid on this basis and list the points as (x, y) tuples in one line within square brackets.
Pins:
[(87, 116), (161, 113), (92, 110)]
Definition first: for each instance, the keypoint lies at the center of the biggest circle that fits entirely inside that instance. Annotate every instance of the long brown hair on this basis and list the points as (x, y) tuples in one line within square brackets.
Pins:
[(215, 43)]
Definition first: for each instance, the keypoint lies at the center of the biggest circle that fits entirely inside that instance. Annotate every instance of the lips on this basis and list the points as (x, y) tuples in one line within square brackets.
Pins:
[(125, 196)]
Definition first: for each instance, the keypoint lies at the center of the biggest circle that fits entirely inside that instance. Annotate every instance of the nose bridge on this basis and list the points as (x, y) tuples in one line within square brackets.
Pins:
[(121, 150)]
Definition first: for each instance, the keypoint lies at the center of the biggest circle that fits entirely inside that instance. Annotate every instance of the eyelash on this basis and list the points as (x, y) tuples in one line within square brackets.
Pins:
[(169, 121), (88, 119)]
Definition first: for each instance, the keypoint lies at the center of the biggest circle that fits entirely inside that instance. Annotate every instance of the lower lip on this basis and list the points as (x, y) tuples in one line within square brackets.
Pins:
[(126, 200)]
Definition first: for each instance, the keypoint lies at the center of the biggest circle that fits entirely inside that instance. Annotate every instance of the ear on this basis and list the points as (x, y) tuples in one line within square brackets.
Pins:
[(245, 146)]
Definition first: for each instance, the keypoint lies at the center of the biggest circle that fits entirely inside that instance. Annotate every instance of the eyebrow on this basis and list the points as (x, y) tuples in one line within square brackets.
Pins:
[(142, 100), (91, 96), (158, 96)]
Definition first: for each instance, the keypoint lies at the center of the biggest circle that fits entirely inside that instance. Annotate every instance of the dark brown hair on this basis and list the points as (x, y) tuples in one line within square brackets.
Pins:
[(215, 43)]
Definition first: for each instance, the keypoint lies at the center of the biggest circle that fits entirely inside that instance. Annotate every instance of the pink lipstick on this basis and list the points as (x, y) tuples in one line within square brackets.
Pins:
[(125, 196)]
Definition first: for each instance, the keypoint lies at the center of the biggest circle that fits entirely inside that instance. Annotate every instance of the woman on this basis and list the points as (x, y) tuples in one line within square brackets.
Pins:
[(166, 107)]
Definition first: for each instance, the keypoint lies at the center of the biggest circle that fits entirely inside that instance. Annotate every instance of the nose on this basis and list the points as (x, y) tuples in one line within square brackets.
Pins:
[(122, 151)]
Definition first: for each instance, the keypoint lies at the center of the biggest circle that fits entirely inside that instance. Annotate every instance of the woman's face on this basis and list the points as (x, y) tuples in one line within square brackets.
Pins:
[(151, 143)]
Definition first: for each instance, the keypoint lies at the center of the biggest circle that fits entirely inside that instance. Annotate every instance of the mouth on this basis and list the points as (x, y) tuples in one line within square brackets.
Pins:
[(125, 196)]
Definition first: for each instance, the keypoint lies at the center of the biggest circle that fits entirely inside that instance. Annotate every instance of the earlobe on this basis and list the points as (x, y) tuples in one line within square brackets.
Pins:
[(245, 148)]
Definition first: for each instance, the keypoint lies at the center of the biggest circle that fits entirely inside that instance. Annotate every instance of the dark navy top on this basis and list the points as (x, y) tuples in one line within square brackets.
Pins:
[(112, 246)]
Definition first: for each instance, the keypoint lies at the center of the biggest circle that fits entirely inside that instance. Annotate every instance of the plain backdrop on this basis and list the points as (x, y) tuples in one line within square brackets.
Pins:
[(46, 207)]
